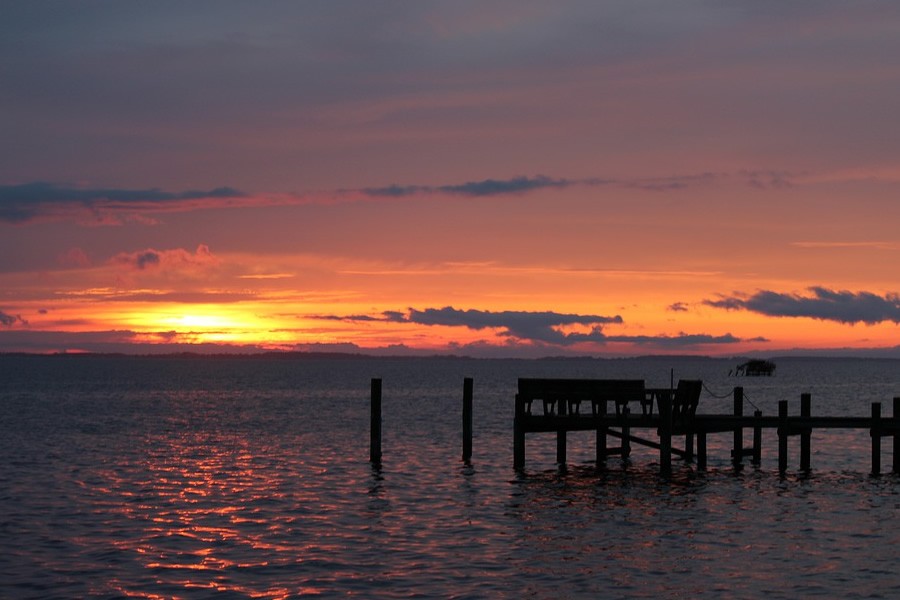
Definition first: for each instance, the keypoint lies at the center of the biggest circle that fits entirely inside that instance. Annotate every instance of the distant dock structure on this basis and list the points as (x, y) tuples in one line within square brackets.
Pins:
[(755, 368)]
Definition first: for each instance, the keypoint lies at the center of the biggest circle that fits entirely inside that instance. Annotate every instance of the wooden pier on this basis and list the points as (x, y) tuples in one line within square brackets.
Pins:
[(669, 414)]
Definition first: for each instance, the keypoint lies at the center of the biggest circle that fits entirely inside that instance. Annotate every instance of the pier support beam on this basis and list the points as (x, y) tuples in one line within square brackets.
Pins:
[(519, 435), (665, 434), (805, 432), (782, 436), (896, 436), (602, 451), (875, 432), (737, 453), (375, 424), (757, 438), (467, 420), (561, 434), (701, 450)]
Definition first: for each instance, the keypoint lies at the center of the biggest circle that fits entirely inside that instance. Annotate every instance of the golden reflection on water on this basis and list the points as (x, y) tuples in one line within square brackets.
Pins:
[(199, 516)]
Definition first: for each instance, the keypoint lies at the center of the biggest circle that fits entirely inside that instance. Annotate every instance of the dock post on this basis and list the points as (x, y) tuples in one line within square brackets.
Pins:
[(701, 450), (375, 424), (561, 433), (626, 433), (519, 435), (757, 438), (782, 436), (467, 420), (738, 452), (601, 435), (896, 436), (665, 434), (805, 431), (876, 438)]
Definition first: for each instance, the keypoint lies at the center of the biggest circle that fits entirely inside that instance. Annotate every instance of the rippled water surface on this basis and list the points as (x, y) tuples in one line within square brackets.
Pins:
[(244, 478)]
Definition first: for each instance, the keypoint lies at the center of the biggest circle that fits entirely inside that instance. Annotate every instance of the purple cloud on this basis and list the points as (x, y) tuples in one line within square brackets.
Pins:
[(7, 320), (822, 303), (539, 327)]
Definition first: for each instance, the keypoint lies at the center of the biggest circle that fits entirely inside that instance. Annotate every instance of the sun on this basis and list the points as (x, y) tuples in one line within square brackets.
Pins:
[(202, 324), (208, 321)]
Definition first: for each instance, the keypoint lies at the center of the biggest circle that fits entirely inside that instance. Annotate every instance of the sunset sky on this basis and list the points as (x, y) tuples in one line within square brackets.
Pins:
[(487, 178)]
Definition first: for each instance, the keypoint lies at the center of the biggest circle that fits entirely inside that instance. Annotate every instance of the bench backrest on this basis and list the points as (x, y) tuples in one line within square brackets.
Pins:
[(619, 390)]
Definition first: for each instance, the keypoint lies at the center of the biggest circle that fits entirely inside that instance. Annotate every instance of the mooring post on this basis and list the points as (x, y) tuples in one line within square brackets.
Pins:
[(896, 436), (701, 450), (561, 433), (876, 438), (805, 431), (626, 432), (519, 434), (601, 434), (375, 424), (738, 452), (782, 436), (665, 434), (467, 420), (757, 438)]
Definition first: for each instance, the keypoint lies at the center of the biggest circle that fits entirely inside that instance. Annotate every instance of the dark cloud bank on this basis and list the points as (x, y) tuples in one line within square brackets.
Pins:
[(539, 327), (821, 303)]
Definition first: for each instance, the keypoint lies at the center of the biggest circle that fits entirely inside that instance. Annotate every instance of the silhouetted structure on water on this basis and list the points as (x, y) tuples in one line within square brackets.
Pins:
[(755, 368), (666, 412)]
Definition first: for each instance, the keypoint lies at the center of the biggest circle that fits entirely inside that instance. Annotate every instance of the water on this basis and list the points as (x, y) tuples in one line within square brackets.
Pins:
[(249, 478)]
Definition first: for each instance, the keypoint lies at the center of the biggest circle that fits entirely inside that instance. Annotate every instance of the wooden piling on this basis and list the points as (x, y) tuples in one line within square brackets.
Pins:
[(875, 432), (602, 451), (701, 450), (375, 424), (737, 454), (806, 431), (467, 420), (757, 438), (665, 434), (561, 433), (519, 435), (626, 433), (782, 436), (896, 436)]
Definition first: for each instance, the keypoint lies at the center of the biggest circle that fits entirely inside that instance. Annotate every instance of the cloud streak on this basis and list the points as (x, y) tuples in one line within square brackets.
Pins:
[(534, 326), (486, 187), (32, 201), (41, 201), (820, 303), (539, 327)]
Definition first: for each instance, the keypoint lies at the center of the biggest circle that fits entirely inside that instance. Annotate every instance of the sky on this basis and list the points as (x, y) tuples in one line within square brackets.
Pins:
[(490, 178)]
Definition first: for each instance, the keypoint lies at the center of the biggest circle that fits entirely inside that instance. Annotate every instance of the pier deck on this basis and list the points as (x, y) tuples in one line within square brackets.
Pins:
[(676, 417)]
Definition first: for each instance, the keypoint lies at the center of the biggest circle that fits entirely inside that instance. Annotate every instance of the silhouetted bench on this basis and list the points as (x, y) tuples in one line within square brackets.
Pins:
[(564, 396), (684, 404)]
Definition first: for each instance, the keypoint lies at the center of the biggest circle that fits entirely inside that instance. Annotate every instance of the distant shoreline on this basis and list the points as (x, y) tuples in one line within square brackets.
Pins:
[(887, 354)]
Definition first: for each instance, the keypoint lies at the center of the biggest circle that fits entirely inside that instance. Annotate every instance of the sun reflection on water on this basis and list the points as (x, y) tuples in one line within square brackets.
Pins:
[(203, 514)]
